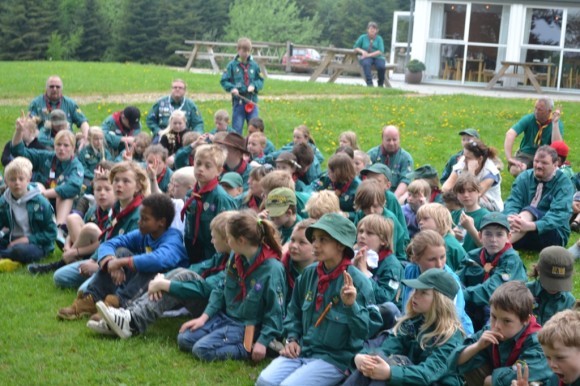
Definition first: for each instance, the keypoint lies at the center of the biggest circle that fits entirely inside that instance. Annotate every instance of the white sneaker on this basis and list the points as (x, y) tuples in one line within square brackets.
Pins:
[(100, 327), (118, 319)]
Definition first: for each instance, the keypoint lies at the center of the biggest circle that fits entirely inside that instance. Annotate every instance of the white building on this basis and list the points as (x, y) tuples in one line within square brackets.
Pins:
[(466, 41)]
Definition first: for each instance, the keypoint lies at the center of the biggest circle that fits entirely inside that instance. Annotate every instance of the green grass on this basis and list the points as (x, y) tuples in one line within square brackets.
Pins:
[(35, 348)]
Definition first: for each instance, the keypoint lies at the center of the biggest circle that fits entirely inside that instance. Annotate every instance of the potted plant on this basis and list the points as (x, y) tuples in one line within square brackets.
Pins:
[(414, 72)]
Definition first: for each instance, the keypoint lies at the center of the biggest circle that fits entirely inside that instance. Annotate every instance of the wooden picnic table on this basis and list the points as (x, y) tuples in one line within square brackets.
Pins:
[(527, 75), (469, 61), (338, 60)]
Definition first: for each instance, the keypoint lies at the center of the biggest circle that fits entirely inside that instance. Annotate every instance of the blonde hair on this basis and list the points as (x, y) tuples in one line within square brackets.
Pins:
[(222, 115), (140, 175), (321, 203), (350, 137), (440, 324), (19, 165), (421, 241), (215, 153), (219, 222), (190, 137), (420, 186), (363, 156), (440, 215), (69, 135), (184, 176), (277, 179), (97, 130), (380, 226), (306, 132), (260, 137), (244, 43), (564, 327), (174, 114)]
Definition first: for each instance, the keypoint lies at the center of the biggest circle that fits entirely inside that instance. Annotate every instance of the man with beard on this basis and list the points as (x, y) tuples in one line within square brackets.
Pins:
[(540, 204)]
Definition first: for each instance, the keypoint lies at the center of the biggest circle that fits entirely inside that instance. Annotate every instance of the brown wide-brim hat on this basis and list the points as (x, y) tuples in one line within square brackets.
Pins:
[(234, 140)]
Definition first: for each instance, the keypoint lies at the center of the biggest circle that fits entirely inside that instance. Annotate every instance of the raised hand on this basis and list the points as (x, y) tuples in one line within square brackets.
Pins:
[(348, 291)]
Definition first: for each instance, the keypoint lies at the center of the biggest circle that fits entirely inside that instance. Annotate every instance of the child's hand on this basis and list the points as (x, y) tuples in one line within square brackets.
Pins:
[(157, 287), (381, 370), (152, 169), (458, 233), (88, 268), (258, 352), (194, 324), (466, 221), (251, 88), (488, 338), (118, 276), (360, 260), (348, 291), (364, 364), (291, 350), (523, 377), (235, 92), (264, 215), (129, 150)]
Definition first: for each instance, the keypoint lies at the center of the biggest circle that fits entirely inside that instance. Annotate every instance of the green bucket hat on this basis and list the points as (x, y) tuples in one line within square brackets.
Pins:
[(471, 132), (436, 279), (339, 228), (425, 171), (378, 168), (496, 218)]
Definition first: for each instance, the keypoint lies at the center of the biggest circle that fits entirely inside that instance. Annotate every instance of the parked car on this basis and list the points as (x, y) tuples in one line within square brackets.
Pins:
[(301, 59)]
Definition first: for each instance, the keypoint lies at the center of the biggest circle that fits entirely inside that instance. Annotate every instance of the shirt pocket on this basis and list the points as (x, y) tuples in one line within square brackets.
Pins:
[(335, 332)]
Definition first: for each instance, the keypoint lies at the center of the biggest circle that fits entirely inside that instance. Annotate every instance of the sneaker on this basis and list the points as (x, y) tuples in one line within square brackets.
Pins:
[(118, 319), (83, 306), (60, 238), (37, 268), (7, 265), (100, 327)]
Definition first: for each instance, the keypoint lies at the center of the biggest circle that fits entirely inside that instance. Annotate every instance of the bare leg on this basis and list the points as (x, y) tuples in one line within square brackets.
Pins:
[(74, 223), (63, 208), (86, 243)]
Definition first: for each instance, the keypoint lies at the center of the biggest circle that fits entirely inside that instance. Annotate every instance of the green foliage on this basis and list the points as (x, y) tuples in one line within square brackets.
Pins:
[(93, 39), (415, 65), (279, 21)]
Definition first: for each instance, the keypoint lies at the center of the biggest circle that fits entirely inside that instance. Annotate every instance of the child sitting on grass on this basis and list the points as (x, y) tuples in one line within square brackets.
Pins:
[(321, 203), (171, 138), (287, 161), (256, 143), (489, 356), (348, 138), (257, 124), (252, 198), (181, 287), (418, 192), (92, 154), (551, 289), (467, 189), (135, 152), (156, 158), (422, 340), (27, 215), (235, 146), (128, 262), (221, 119), (245, 316), (281, 210)]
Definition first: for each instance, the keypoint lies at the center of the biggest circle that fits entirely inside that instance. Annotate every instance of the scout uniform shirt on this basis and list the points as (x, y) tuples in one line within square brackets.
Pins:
[(234, 74), (547, 305), (342, 331), (468, 242), (477, 291), (263, 303), (286, 233), (344, 191), (90, 158), (114, 131), (529, 126), (400, 163), (164, 178), (454, 251), (393, 205), (158, 117), (243, 169), (41, 107), (386, 279)]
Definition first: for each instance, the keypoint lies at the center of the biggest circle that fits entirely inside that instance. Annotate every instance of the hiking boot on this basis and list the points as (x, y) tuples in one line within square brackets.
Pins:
[(83, 306), (117, 319), (100, 327), (37, 268), (7, 265), (112, 301)]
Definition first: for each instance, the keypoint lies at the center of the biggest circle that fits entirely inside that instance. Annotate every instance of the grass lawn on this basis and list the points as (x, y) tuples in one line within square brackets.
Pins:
[(35, 348)]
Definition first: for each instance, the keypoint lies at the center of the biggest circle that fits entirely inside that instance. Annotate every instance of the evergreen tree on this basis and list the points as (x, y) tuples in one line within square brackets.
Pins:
[(138, 35), (94, 38)]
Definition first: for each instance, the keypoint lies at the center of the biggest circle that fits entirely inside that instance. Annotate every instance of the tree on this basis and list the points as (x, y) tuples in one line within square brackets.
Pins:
[(279, 21), (94, 38)]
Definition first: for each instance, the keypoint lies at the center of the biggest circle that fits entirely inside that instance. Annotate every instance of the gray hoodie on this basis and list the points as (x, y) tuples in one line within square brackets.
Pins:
[(19, 212)]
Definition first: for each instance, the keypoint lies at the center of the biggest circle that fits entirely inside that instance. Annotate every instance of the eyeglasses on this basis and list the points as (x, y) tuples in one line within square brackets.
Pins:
[(54, 86), (178, 87)]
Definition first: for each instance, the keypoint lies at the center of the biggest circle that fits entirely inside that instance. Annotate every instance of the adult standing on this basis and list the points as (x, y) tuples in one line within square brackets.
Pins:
[(41, 107), (540, 204), (400, 162), (158, 117), (537, 130), (371, 48)]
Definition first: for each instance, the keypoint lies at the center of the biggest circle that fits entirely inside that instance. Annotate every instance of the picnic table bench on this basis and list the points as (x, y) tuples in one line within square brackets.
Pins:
[(204, 50)]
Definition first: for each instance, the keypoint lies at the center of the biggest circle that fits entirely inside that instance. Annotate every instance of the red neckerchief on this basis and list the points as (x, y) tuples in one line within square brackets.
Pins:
[(494, 262), (286, 261), (246, 75), (101, 218), (541, 127), (161, 175), (121, 215), (384, 253), (325, 279), (49, 106), (191, 160), (196, 195), (386, 155), (253, 203), (434, 193), (53, 172), (218, 268), (259, 155), (265, 253), (240, 169), (532, 327), (341, 191), (117, 118), (295, 176)]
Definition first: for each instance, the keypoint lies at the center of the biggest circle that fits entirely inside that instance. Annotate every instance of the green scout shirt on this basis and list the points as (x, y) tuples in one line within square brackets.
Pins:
[(343, 330), (346, 198), (41, 107), (449, 166), (477, 291), (468, 242), (113, 134), (393, 205), (400, 163), (214, 202), (183, 157), (386, 280), (567, 170), (243, 171), (233, 77), (164, 183), (263, 305), (68, 174), (289, 147), (529, 127), (363, 42), (158, 117), (430, 364), (556, 201), (531, 353), (454, 250), (286, 233), (90, 158), (46, 137), (547, 305), (202, 287)]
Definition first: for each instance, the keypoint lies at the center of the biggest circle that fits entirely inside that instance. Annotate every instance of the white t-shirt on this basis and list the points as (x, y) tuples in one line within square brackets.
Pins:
[(489, 171)]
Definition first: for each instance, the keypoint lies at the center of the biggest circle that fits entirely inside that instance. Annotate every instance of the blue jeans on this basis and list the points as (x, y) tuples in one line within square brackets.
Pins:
[(23, 253), (220, 338), (239, 115), (300, 371), (69, 277), (533, 241), (367, 64)]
